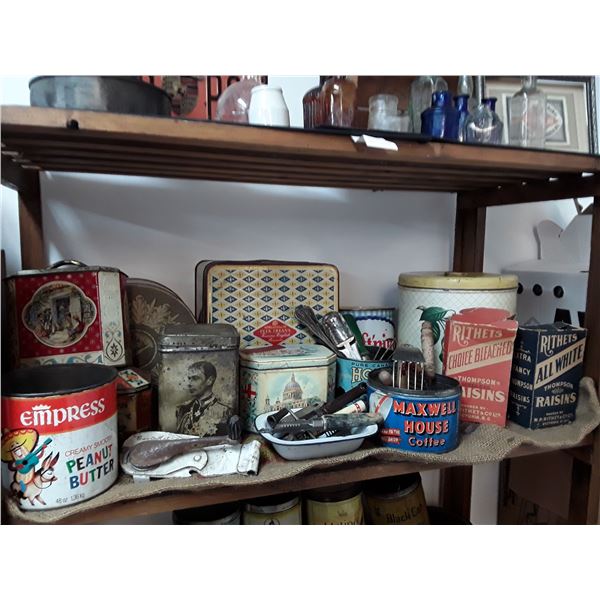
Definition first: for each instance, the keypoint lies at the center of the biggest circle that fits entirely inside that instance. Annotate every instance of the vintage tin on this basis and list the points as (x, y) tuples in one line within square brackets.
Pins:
[(222, 514), (478, 353), (377, 325), (340, 505), (59, 440), (417, 420), (134, 402), (435, 297), (546, 370), (198, 380), (259, 298), (351, 372), (74, 314), (396, 501), (284, 509), (152, 306), (285, 377)]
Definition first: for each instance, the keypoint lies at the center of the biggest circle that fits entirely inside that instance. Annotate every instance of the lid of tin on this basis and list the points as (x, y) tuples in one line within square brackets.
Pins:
[(393, 487), (206, 515), (68, 265), (454, 280), (272, 504), (131, 381), (284, 357), (152, 306), (215, 336), (54, 380), (337, 493)]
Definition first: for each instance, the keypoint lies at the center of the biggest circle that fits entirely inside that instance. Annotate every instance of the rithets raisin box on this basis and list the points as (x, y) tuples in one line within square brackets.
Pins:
[(547, 367), (478, 350)]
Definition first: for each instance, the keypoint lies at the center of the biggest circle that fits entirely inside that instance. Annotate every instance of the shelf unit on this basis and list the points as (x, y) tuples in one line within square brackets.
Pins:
[(39, 139)]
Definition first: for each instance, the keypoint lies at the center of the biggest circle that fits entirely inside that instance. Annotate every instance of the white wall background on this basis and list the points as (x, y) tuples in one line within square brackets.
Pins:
[(159, 229)]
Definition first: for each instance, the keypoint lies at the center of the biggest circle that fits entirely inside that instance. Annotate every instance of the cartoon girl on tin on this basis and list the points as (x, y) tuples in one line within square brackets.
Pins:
[(19, 451)]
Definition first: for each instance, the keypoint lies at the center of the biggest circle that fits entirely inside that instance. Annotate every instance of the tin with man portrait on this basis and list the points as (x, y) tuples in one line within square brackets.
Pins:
[(198, 378)]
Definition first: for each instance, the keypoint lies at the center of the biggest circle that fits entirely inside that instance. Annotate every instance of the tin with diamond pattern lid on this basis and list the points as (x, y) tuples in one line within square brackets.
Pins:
[(259, 297), (436, 296)]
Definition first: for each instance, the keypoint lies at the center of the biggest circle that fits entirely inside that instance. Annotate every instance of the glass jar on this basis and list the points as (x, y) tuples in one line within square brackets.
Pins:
[(338, 99), (383, 107), (441, 119), (421, 91), (234, 102), (527, 115), (311, 105)]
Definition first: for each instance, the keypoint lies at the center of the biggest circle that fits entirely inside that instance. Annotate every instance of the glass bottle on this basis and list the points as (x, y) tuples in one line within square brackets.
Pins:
[(338, 100), (441, 119), (233, 103), (311, 105), (483, 126), (461, 104), (527, 115), (382, 107), (421, 91)]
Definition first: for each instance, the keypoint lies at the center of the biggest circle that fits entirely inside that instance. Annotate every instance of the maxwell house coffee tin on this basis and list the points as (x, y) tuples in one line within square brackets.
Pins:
[(71, 314), (417, 420), (59, 437)]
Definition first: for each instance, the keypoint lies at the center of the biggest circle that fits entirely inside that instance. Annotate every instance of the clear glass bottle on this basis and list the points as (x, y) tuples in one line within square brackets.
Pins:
[(483, 125), (461, 102), (311, 106), (527, 115), (382, 107), (233, 103), (421, 91), (338, 101)]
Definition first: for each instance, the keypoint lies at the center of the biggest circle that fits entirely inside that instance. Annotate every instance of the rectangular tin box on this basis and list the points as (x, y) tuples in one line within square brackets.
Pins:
[(198, 378), (478, 352), (284, 377), (259, 297), (71, 314), (547, 367)]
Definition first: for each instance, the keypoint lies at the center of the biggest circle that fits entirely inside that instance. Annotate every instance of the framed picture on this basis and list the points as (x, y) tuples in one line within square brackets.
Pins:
[(570, 110)]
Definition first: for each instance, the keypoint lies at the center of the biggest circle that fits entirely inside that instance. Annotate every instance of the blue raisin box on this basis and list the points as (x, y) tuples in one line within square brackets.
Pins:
[(546, 369)]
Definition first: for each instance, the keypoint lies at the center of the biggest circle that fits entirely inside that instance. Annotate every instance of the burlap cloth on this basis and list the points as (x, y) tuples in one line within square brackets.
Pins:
[(481, 444)]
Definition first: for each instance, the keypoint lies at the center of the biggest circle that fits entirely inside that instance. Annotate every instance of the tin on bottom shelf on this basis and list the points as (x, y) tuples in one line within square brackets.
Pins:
[(396, 501), (339, 505), (284, 509)]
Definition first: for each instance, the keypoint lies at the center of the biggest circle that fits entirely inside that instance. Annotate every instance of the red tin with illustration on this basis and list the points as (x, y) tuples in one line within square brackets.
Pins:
[(59, 434), (73, 314)]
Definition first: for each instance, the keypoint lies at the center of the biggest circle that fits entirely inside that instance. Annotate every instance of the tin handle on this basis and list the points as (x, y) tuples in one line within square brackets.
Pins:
[(64, 263)]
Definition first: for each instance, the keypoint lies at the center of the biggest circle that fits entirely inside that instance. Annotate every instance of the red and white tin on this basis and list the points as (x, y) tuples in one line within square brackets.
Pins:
[(75, 314), (59, 434)]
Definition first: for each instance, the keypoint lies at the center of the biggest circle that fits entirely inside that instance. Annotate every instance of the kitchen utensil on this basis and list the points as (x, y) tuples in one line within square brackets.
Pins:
[(306, 315), (326, 423), (338, 331), (409, 367), (150, 453), (352, 324)]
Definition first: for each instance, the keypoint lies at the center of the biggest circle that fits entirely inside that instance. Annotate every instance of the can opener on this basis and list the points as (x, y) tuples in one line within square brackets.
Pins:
[(212, 461)]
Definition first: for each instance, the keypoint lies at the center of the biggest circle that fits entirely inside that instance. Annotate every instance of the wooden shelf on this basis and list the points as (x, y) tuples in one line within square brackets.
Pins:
[(94, 142), (217, 493), (40, 139)]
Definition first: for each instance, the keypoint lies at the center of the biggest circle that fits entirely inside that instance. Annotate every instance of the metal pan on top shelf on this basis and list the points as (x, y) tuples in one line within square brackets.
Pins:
[(128, 95)]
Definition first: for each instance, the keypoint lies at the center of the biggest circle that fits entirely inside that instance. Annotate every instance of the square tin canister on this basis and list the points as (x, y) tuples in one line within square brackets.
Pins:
[(198, 382), (259, 298), (72, 314), (291, 377)]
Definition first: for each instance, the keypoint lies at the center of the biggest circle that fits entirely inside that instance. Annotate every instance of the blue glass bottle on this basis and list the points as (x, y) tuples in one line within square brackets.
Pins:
[(441, 119), (462, 106)]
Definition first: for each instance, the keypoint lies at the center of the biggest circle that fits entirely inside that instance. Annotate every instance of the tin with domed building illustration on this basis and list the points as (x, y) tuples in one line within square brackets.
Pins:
[(279, 377)]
